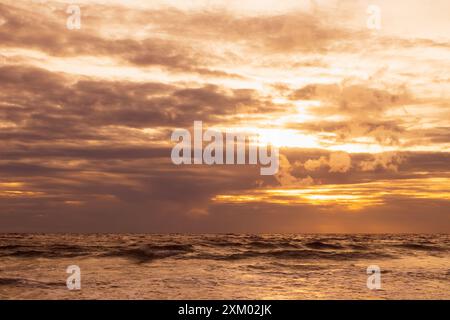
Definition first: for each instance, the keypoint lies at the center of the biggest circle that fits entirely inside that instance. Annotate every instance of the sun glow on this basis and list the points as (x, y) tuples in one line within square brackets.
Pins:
[(350, 196)]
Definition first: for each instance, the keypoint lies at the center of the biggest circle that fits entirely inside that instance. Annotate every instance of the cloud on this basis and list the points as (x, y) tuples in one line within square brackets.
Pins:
[(36, 100), (386, 160), (285, 176), (383, 132), (356, 101), (46, 32), (299, 31), (339, 162), (85, 135), (313, 165)]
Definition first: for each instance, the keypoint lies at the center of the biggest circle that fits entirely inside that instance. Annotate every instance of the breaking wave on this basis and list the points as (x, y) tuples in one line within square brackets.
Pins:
[(148, 248)]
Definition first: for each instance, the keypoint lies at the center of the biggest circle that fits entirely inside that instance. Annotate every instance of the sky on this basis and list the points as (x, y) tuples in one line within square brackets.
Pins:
[(361, 115)]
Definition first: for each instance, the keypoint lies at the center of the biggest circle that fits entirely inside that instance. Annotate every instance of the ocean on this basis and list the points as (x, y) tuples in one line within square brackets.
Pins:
[(224, 266)]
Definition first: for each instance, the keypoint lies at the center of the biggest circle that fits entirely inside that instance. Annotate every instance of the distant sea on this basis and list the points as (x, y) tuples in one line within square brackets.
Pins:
[(228, 266)]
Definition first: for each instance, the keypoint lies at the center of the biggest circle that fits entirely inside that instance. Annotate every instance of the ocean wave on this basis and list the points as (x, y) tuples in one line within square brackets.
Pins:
[(10, 281), (151, 252), (147, 248), (305, 254), (323, 245), (419, 246), (222, 243), (22, 282), (45, 251), (44, 254), (270, 244)]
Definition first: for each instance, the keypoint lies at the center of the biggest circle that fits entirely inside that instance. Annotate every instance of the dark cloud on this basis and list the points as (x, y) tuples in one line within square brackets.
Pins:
[(51, 106), (48, 33)]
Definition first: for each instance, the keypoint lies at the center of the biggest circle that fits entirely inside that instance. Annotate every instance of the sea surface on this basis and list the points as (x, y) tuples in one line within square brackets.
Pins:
[(226, 266)]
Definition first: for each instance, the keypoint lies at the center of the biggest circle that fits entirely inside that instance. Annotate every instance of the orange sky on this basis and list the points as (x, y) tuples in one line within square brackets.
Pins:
[(361, 117)]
